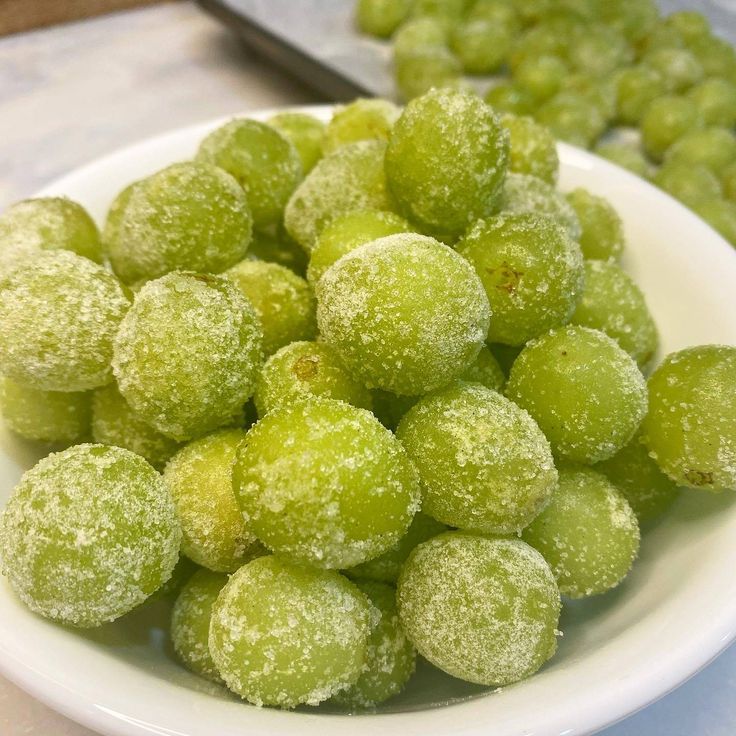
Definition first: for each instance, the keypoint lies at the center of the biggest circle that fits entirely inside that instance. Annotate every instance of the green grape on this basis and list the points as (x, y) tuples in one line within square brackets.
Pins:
[(484, 610), (481, 45), (532, 148), (88, 534), (690, 429), (532, 11), (483, 463), (115, 423), (505, 355), (713, 147), (598, 50), (304, 369), (188, 216), (647, 489), (405, 313), (444, 10), (187, 354), (190, 622), (689, 24), (715, 55), (486, 371), (691, 184), (47, 223), (389, 408), (715, 100), (278, 248), (264, 162), (665, 120), (720, 214), (598, 91), (499, 12), (602, 231), (588, 533), (282, 634), (633, 19), (532, 272), (536, 42), (585, 392), (614, 304), (417, 34), (386, 567), (540, 76), (45, 416), (446, 160), (661, 36), (381, 17), (362, 119), (511, 98), (351, 178), (678, 68), (390, 657), (168, 592), (346, 233), (626, 155), (344, 492), (304, 132), (282, 301), (421, 69), (728, 182), (114, 217), (59, 313), (573, 118), (526, 194), (636, 88)]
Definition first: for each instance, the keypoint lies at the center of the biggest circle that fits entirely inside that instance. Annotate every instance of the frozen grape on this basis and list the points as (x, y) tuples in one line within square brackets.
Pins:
[(588, 533), (712, 147), (264, 162), (115, 214), (304, 369), (585, 392), (572, 117), (419, 70), (190, 622), (188, 353), (720, 215), (59, 313), (483, 463), (390, 656), (668, 118), (189, 216), (446, 160), (690, 429), (282, 301), (484, 610), (636, 87), (363, 119), (715, 100), (381, 17), (88, 534), (45, 416), (540, 76), (304, 132), (678, 68), (510, 98), (322, 482), (481, 45), (601, 228), (626, 155), (282, 634), (614, 304), (690, 183), (278, 248), (351, 178), (532, 148), (405, 313)]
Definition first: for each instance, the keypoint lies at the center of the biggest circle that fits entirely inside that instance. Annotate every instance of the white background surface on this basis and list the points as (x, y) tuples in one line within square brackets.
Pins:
[(72, 93)]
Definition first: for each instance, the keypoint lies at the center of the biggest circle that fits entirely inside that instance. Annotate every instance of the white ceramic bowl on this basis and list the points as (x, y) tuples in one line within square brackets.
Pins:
[(619, 652)]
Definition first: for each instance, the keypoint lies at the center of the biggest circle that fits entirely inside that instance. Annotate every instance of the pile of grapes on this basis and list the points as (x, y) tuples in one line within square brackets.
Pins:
[(378, 382), (593, 72)]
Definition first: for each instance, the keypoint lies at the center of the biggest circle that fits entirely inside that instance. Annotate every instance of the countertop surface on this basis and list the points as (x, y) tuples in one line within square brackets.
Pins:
[(75, 92)]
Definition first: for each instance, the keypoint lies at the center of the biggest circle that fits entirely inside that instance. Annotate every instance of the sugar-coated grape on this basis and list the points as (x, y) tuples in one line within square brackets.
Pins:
[(712, 147), (720, 214), (573, 118), (264, 162), (614, 304), (600, 92), (532, 148), (485, 370), (304, 132), (445, 10), (601, 228), (483, 462), (532, 272), (588, 533), (386, 567), (690, 183), (484, 610), (405, 313), (598, 51), (362, 119), (420, 70), (88, 534), (200, 480), (500, 12), (389, 408), (349, 231), (59, 313), (540, 76), (667, 118), (636, 87), (536, 42), (626, 155), (583, 389), (283, 634), (183, 570), (678, 68), (715, 100), (647, 489), (304, 369), (381, 17), (45, 416), (188, 353), (47, 223), (481, 45), (634, 19), (115, 213), (690, 429), (417, 34), (511, 98), (390, 656), (282, 301), (190, 622), (446, 160), (322, 482), (351, 178), (278, 247)]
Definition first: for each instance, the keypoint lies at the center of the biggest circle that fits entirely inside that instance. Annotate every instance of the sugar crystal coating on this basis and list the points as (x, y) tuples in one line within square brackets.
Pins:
[(362, 119), (88, 534), (532, 148), (601, 229), (282, 634), (304, 132)]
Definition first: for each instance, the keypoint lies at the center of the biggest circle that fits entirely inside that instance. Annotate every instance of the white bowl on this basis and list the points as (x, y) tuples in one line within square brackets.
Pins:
[(619, 652)]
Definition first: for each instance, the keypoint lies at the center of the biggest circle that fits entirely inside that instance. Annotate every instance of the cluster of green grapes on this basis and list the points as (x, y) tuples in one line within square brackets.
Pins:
[(589, 70), (276, 354)]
